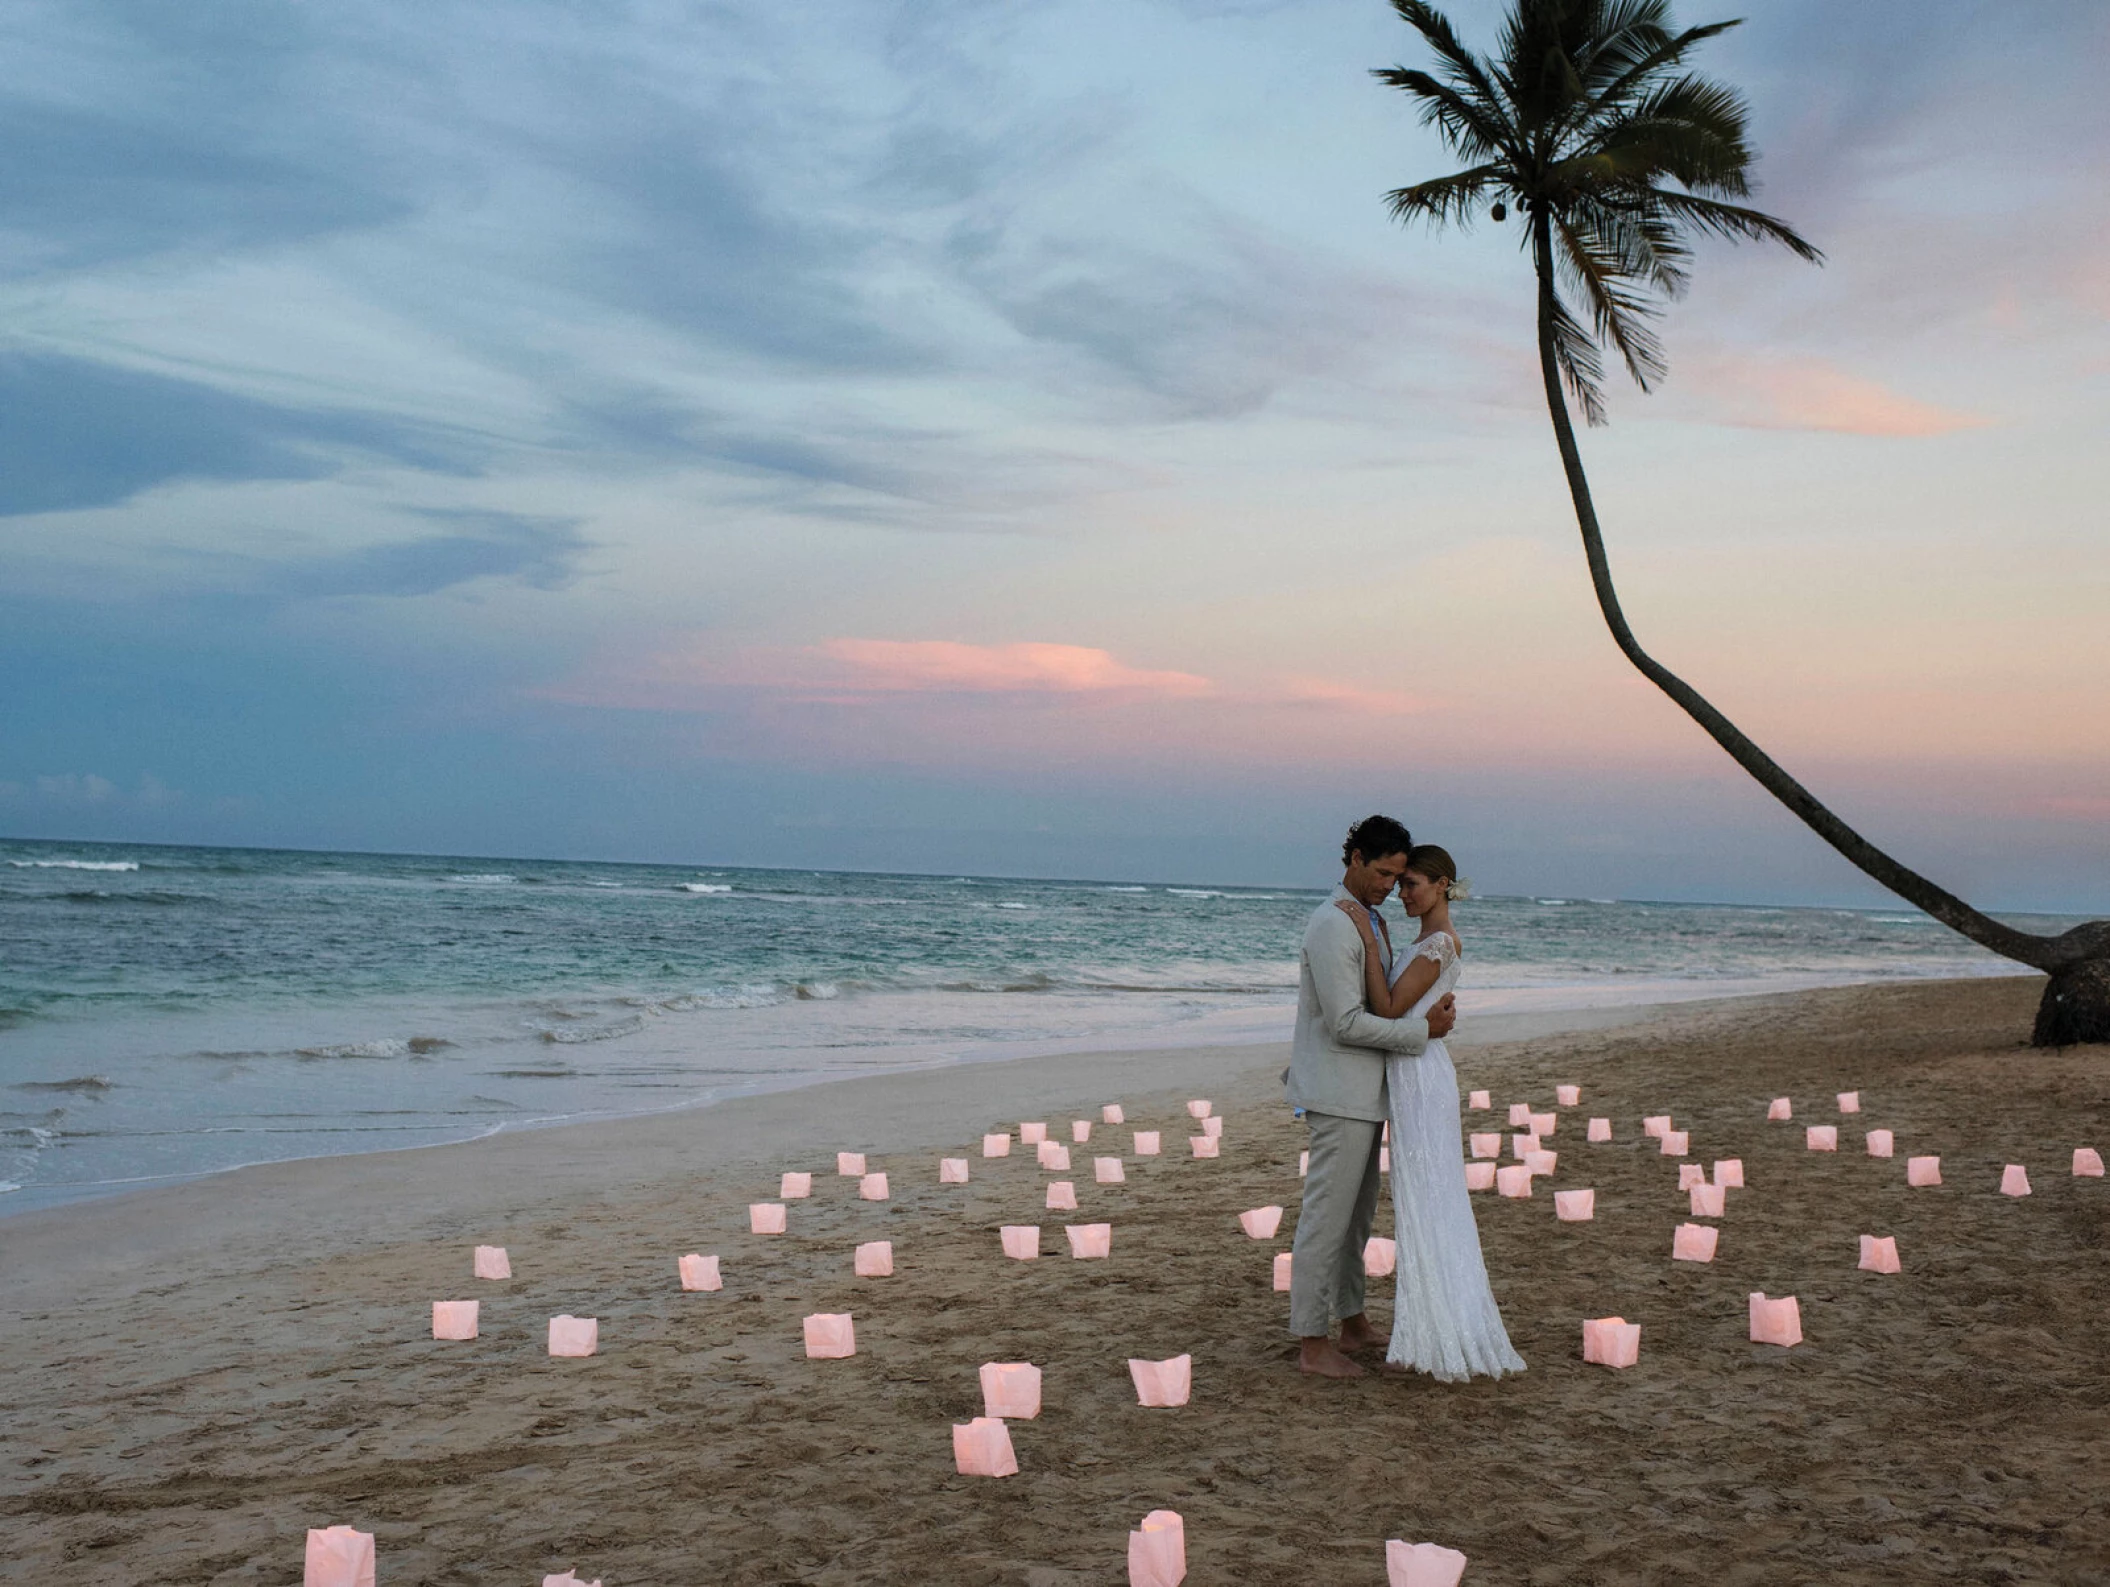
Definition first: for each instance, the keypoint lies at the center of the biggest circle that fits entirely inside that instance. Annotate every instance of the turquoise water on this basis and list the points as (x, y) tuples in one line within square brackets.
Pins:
[(166, 1012)]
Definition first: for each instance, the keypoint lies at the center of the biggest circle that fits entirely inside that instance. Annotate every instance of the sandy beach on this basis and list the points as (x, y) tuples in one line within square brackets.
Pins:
[(198, 1375)]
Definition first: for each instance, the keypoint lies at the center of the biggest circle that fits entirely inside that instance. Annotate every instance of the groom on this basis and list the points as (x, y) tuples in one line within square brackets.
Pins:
[(1337, 1076)]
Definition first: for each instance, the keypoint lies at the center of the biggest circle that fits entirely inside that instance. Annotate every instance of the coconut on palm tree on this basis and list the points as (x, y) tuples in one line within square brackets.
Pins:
[(1590, 123)]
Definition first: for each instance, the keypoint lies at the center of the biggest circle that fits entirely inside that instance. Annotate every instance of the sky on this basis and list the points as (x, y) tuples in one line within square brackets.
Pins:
[(979, 435)]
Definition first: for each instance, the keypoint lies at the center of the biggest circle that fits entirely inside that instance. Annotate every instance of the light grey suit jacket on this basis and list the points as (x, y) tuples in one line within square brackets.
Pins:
[(1337, 1058)]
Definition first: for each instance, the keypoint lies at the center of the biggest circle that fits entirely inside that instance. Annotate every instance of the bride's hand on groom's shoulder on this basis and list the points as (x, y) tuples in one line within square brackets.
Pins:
[(1355, 912)]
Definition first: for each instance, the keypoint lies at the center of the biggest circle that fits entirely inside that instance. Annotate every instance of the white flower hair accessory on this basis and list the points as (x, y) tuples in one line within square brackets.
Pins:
[(1460, 889)]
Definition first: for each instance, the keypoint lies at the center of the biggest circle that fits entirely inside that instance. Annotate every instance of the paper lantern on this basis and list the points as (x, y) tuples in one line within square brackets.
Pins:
[(1422, 1564), (850, 1165), (794, 1187), (1600, 1129), (1090, 1240), (952, 1170), (1479, 1099), (1157, 1554), (1849, 1102), (1489, 1145), (1694, 1242), (1080, 1131), (1821, 1137), (830, 1336), (1673, 1143), (1923, 1170), (1303, 1164), (1062, 1196), (1729, 1173), (1575, 1206), (339, 1557), (1690, 1174), (699, 1272), (1282, 1270), (491, 1262), (1521, 1144), (1384, 1159), (454, 1319), (1543, 1124), (1261, 1223), (568, 1579), (1513, 1179), (1032, 1134), (1213, 1126), (1779, 1108), (1112, 1114), (982, 1448), (1021, 1241), (1198, 1108), (1542, 1162), (1480, 1176), (1655, 1124), (1611, 1342), (1881, 1143), (1520, 1115), (1054, 1157), (1568, 1096), (875, 1259), (1210, 1146), (872, 1187), (1775, 1322), (1010, 1389), (1879, 1255), (2087, 1163), (1146, 1143), (2014, 1180), (996, 1145), (574, 1336), (766, 1217), (1379, 1256), (1709, 1201), (1108, 1171), (1162, 1382)]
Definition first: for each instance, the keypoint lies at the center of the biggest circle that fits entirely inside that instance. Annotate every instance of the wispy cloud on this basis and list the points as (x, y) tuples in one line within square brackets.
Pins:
[(947, 667), (1773, 392)]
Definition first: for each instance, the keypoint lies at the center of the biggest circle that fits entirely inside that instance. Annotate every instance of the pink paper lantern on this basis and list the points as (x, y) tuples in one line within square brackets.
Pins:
[(830, 1336), (1011, 1389), (1568, 1096), (1513, 1179), (1282, 1270), (1775, 1322), (1112, 1114), (1303, 1164), (1146, 1143), (454, 1319), (1656, 1124), (996, 1145), (1880, 1143), (1032, 1134), (492, 1262), (1480, 1176), (1488, 1145), (1709, 1201), (1821, 1137), (1478, 1100), (1543, 1124), (1080, 1131), (1542, 1162), (1157, 1554), (1690, 1174), (1384, 1159), (1673, 1143), (1379, 1256), (1213, 1126), (1879, 1255), (1210, 1146), (1422, 1564), (1729, 1173), (1600, 1129), (1849, 1102), (1575, 1206), (872, 1187), (1089, 1241), (1923, 1170), (1521, 1144), (1520, 1115), (765, 1217), (568, 1579), (1021, 1241), (1062, 1196), (1694, 1242), (1779, 1108), (982, 1448), (2014, 1180), (1198, 1108), (1108, 1171), (574, 1336), (794, 1187), (338, 1556), (1162, 1383), (1611, 1342), (1053, 1156), (2087, 1163), (952, 1170), (1261, 1223), (850, 1165), (874, 1259), (699, 1272)]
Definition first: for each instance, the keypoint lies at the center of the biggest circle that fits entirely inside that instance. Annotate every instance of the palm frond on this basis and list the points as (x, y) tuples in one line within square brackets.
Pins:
[(1470, 129), (1446, 199), (1735, 222), (1617, 311), (1646, 65), (1582, 369), (1622, 34), (1460, 63)]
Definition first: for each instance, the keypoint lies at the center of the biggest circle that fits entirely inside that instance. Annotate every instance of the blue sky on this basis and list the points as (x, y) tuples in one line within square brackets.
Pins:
[(1012, 437)]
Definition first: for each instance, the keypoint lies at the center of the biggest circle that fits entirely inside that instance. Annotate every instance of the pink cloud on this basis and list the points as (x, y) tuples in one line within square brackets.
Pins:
[(1806, 393), (946, 667)]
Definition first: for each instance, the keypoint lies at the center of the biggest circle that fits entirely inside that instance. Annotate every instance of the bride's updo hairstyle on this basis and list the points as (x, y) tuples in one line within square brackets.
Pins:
[(1425, 859), (1374, 837)]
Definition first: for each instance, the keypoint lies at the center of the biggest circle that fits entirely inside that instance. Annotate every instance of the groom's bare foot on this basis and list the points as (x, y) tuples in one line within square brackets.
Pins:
[(1319, 1357), (1357, 1334)]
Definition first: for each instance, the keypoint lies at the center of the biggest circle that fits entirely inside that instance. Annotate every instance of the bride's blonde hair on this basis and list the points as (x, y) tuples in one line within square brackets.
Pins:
[(1438, 866)]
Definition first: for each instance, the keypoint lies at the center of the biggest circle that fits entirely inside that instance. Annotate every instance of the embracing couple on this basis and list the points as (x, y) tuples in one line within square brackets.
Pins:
[(1371, 1018)]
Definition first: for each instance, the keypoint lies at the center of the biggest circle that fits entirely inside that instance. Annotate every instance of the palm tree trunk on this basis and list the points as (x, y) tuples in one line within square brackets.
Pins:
[(2076, 1004)]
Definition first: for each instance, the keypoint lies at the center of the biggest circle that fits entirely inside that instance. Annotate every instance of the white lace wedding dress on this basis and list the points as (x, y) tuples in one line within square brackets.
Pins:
[(1444, 1318)]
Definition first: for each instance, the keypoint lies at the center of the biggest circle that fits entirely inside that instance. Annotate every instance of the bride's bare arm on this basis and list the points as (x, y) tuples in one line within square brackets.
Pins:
[(1385, 999)]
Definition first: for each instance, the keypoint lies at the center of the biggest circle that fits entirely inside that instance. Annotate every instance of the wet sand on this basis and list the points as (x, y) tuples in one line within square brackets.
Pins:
[(196, 1376)]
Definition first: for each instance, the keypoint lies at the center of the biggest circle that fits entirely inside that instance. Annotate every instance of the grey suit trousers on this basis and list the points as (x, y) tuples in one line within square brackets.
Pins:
[(1340, 1201)]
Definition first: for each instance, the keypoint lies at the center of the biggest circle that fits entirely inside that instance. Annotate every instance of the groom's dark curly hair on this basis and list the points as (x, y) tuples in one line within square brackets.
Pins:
[(1374, 837)]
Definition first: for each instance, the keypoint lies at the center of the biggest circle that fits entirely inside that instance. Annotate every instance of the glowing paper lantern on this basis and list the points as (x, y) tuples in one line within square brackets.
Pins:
[(1568, 1096), (1157, 1554), (1032, 1134), (454, 1319), (1779, 1108), (1575, 1206), (875, 1259), (1054, 1157), (1729, 1173), (1775, 1322), (850, 1165), (830, 1336), (1849, 1102), (1213, 1126), (2014, 1180), (1513, 1179), (1542, 1162), (1080, 1131), (1303, 1164), (996, 1145), (1673, 1143), (1261, 1223), (1479, 1099), (794, 1187), (1545, 1123), (1519, 1145), (1282, 1271), (1709, 1201), (1480, 1176), (1656, 1124), (1090, 1240), (1600, 1129), (699, 1272), (1488, 1145), (766, 1217), (1923, 1170), (1611, 1342), (338, 1556), (574, 1336), (952, 1170), (2087, 1163), (1062, 1196), (1694, 1242), (982, 1448), (1379, 1256), (1821, 1137), (1422, 1564), (1879, 1255), (1162, 1383), (1210, 1146), (1520, 1115), (1881, 1143), (1198, 1108), (1021, 1241), (568, 1579), (872, 1187), (492, 1262), (1011, 1389), (1146, 1143), (1690, 1174), (1112, 1114), (1108, 1171)]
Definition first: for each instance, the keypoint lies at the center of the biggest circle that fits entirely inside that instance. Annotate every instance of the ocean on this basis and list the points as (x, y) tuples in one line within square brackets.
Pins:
[(171, 1012)]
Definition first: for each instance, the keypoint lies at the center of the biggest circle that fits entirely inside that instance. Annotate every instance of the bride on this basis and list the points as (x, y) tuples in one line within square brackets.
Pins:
[(1444, 1318)]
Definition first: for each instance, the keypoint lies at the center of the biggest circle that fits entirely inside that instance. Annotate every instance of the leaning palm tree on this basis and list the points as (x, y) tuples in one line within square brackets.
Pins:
[(1588, 120)]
